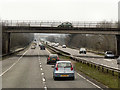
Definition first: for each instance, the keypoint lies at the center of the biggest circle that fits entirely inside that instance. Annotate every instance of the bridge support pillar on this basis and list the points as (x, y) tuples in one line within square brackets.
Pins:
[(7, 43), (118, 44)]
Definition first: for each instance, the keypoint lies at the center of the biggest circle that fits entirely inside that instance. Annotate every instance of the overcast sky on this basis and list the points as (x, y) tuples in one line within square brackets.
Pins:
[(60, 10)]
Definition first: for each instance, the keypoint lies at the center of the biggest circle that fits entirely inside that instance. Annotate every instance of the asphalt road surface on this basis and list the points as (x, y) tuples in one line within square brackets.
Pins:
[(28, 69), (91, 57)]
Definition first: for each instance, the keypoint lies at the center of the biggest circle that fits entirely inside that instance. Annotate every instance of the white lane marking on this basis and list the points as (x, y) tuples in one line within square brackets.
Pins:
[(41, 69), (40, 66), (48, 51), (42, 73), (40, 63), (89, 81), (13, 64), (45, 87), (43, 79)]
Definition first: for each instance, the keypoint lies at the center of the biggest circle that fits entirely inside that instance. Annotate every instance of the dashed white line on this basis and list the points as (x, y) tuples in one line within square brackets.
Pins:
[(13, 64), (41, 69), (89, 81), (43, 79), (40, 63), (45, 87), (42, 73), (40, 66)]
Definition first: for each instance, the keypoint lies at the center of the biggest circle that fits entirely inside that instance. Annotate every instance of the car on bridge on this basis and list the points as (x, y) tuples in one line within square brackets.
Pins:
[(52, 58), (118, 60), (63, 69), (66, 25), (82, 50), (109, 54)]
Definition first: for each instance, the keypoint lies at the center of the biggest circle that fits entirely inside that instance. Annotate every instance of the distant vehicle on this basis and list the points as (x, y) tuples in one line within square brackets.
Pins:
[(82, 50), (63, 69), (33, 47), (66, 25), (118, 60), (52, 58), (42, 47), (109, 54), (52, 44), (34, 43), (63, 46), (56, 45)]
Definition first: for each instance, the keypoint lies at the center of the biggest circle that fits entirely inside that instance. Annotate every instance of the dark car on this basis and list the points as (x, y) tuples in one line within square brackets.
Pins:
[(66, 25), (52, 58), (42, 47)]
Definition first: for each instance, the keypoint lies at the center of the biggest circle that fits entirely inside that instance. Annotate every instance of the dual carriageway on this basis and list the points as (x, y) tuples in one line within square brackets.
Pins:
[(29, 69)]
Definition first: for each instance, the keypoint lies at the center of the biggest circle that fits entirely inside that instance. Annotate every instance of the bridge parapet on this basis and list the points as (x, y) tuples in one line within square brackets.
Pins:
[(36, 23)]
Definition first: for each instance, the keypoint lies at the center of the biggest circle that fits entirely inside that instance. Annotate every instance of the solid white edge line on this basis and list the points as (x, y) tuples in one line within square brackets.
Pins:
[(89, 81), (48, 51), (13, 64)]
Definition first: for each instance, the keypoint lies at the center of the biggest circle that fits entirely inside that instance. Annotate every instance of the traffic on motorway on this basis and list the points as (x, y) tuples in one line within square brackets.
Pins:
[(39, 67)]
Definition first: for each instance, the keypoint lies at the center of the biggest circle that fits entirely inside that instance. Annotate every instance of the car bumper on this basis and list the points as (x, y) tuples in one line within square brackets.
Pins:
[(109, 56), (63, 75)]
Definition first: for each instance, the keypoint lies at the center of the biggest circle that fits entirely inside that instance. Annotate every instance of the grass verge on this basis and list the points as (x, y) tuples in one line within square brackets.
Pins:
[(105, 78)]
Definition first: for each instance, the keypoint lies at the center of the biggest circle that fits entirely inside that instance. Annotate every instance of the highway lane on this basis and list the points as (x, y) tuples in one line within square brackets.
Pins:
[(91, 57), (32, 72), (79, 82), (25, 74)]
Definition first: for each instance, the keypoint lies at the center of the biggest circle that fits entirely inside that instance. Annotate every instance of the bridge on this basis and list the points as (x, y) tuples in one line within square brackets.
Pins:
[(52, 27)]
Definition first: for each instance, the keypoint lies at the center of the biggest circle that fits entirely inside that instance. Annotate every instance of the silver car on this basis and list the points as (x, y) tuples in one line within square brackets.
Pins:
[(109, 54), (63, 69), (118, 60), (82, 50), (63, 46)]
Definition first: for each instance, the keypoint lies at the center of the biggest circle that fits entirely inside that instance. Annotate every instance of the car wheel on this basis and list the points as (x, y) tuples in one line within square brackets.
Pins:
[(48, 62), (73, 78), (54, 78)]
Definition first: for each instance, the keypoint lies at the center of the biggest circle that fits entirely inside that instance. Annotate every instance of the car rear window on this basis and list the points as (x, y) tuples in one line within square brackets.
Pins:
[(64, 65), (53, 56)]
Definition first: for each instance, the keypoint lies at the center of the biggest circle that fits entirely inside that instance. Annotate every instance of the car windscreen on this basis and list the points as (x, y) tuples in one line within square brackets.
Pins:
[(64, 65), (109, 53)]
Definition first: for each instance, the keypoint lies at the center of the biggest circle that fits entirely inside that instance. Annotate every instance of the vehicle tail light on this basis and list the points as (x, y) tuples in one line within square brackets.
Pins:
[(57, 58), (57, 67), (71, 67), (48, 58)]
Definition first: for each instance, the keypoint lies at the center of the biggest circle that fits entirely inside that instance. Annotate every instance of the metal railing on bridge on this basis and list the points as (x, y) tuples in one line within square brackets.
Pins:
[(36, 23)]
